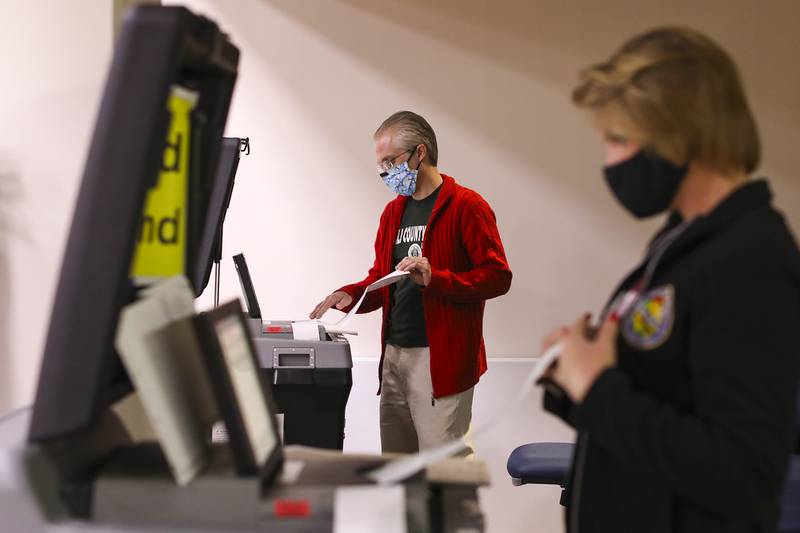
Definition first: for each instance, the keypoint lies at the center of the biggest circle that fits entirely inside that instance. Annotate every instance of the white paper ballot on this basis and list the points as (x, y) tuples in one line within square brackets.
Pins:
[(308, 330), (545, 362), (368, 509), (175, 295), (405, 467), (305, 330), (388, 279), (158, 348), (335, 328)]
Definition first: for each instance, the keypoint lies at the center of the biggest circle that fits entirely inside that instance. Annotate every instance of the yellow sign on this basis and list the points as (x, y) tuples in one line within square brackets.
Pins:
[(162, 238)]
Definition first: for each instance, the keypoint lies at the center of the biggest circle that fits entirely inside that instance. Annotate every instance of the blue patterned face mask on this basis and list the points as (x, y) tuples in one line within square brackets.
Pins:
[(401, 179)]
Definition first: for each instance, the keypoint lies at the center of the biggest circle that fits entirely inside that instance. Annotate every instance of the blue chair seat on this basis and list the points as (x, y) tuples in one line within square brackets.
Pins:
[(790, 512), (545, 463)]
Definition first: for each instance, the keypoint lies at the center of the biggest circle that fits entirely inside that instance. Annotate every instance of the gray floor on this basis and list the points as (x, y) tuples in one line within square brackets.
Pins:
[(508, 509)]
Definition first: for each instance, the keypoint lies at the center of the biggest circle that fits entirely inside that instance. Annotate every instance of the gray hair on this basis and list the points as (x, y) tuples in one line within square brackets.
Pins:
[(411, 130)]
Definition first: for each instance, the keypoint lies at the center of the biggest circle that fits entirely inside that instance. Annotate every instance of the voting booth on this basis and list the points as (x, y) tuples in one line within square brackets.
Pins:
[(310, 369), (123, 328)]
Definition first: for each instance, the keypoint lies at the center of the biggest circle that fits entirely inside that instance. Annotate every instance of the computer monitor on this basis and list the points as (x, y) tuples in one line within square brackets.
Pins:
[(253, 309), (158, 48), (209, 248)]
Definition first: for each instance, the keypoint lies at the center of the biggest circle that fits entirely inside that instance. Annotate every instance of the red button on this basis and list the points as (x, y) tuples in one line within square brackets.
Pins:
[(292, 508)]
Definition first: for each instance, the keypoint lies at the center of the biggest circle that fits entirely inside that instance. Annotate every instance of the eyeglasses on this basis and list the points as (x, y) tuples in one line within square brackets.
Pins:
[(388, 163)]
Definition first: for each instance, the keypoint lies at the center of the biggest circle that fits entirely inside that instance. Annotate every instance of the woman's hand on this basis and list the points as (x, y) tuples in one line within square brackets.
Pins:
[(582, 358), (551, 339), (554, 337)]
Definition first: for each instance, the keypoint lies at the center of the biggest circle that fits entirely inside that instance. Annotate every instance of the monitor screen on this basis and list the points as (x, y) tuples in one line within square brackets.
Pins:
[(209, 246), (253, 309), (158, 49)]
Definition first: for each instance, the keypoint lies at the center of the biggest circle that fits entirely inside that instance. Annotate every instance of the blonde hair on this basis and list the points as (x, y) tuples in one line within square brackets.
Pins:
[(677, 93)]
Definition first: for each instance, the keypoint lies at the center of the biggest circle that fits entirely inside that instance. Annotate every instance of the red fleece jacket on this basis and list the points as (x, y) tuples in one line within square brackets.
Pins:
[(468, 266)]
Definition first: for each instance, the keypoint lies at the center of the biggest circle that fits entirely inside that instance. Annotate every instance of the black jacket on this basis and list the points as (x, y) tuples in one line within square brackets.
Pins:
[(692, 430)]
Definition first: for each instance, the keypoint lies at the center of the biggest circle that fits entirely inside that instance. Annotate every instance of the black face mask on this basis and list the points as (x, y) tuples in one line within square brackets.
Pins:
[(644, 184)]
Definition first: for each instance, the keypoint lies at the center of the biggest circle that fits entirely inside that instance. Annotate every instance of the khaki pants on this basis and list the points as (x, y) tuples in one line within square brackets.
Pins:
[(410, 419)]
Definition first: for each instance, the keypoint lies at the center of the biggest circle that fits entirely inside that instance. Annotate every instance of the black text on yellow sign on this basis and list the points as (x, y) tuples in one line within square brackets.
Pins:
[(162, 238)]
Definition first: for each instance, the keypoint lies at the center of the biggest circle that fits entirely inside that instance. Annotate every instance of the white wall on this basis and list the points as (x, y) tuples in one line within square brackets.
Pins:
[(493, 78), (317, 77), (53, 61)]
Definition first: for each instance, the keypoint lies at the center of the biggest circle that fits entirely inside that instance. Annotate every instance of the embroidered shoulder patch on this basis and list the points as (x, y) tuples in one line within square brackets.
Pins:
[(650, 322)]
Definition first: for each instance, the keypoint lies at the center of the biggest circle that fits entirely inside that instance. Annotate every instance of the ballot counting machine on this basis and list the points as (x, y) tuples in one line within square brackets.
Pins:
[(311, 378), (312, 375)]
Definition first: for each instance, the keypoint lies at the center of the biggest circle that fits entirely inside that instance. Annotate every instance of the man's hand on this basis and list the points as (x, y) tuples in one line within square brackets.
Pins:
[(338, 299), (419, 267), (583, 359)]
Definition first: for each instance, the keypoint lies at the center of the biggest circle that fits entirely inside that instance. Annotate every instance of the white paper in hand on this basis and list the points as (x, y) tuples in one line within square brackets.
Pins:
[(405, 467), (388, 279), (544, 363)]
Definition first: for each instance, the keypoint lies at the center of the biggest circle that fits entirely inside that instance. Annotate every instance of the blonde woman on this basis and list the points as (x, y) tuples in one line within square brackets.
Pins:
[(684, 395)]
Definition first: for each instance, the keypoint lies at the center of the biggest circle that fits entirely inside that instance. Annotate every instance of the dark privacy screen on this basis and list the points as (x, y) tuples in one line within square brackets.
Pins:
[(158, 48)]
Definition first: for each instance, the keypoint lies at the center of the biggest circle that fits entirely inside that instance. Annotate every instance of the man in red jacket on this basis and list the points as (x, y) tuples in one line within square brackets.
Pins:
[(446, 236)]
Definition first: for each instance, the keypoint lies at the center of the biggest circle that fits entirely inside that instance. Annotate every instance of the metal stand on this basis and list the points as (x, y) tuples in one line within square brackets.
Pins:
[(216, 283), (244, 146)]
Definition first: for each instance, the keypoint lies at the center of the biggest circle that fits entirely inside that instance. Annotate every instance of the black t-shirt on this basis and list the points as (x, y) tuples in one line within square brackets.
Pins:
[(406, 317)]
